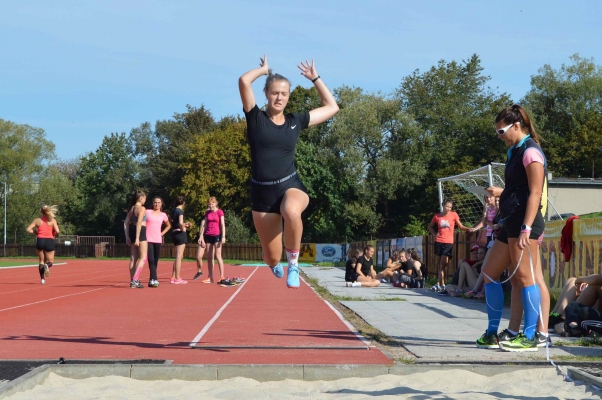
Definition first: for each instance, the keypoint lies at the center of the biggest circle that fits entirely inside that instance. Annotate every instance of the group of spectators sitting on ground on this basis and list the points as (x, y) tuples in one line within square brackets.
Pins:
[(404, 269)]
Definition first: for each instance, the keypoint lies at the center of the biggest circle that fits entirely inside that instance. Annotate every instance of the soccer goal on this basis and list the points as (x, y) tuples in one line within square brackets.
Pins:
[(467, 191)]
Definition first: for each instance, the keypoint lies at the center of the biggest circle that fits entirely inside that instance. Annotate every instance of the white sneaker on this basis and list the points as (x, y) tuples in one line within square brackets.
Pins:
[(43, 281), (436, 288)]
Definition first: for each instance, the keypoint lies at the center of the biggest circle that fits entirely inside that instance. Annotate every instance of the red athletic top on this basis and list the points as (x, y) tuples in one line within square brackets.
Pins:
[(45, 231)]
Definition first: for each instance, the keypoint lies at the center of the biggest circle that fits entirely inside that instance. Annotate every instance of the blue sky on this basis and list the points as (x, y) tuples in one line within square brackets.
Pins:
[(83, 69)]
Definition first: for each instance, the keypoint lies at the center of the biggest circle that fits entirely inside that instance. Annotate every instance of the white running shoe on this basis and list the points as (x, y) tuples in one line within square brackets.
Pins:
[(43, 281)]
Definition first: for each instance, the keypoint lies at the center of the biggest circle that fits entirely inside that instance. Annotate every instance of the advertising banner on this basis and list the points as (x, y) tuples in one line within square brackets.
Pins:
[(386, 244), (308, 252), (586, 257), (328, 252)]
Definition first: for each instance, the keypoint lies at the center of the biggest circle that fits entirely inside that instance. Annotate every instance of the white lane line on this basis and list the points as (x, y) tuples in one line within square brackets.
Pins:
[(219, 312), (28, 266), (54, 298), (342, 318), (76, 294)]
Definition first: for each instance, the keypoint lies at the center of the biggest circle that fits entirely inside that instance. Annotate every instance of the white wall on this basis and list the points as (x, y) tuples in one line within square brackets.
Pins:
[(576, 200)]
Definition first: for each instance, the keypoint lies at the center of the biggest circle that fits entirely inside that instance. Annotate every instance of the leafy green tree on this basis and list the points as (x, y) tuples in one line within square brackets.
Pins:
[(455, 110), (162, 151), (218, 164), (104, 184), (32, 180), (567, 106)]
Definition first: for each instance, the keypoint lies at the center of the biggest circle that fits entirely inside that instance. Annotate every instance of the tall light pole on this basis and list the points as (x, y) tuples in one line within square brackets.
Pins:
[(4, 247)]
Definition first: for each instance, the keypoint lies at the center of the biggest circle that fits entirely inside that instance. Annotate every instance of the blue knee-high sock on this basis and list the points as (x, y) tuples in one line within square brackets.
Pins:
[(494, 296), (531, 300)]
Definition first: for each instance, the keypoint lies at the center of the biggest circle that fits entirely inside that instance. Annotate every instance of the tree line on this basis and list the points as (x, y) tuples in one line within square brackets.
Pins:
[(371, 171)]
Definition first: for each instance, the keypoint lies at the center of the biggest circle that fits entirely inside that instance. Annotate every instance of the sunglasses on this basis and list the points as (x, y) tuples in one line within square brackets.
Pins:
[(504, 130)]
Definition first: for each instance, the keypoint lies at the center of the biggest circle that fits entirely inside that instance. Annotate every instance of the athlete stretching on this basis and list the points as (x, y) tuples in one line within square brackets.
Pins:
[(277, 193)]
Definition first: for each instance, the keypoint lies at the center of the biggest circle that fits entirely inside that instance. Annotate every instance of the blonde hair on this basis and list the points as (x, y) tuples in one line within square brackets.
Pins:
[(49, 211), (212, 200)]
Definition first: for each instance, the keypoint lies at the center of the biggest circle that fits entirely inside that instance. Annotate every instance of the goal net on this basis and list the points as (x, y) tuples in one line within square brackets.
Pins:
[(467, 193)]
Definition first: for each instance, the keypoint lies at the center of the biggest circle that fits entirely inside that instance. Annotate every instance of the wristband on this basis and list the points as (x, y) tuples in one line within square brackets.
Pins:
[(525, 231), (315, 79)]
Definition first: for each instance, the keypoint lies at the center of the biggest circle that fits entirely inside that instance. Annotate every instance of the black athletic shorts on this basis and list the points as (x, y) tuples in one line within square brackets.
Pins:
[(511, 227), (45, 244), (133, 233), (351, 276), (179, 238), (267, 198), (443, 249), (212, 238)]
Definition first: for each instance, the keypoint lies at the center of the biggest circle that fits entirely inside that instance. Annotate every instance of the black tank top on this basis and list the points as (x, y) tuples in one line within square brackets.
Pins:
[(273, 146), (516, 191)]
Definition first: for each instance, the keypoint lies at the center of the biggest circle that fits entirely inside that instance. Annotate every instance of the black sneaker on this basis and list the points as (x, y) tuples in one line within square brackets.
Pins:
[(197, 275), (488, 341), (554, 319), (136, 285), (541, 340), (226, 283), (505, 336), (443, 293)]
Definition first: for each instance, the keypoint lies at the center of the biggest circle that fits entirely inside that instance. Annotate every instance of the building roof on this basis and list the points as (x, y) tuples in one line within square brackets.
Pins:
[(575, 181)]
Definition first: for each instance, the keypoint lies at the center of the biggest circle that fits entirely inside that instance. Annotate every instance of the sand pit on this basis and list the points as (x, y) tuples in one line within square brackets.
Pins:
[(451, 384)]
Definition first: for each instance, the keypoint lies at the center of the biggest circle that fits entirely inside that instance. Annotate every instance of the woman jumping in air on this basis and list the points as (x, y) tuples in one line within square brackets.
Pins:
[(277, 193), (135, 228), (521, 225), (45, 228)]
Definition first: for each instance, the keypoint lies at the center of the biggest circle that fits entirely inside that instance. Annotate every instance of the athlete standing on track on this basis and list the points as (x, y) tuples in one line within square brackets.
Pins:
[(180, 239), (277, 193), (212, 236), (155, 219), (521, 220), (45, 228), (135, 228)]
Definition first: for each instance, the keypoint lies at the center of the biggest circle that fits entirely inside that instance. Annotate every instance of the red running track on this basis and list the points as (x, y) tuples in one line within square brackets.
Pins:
[(86, 310)]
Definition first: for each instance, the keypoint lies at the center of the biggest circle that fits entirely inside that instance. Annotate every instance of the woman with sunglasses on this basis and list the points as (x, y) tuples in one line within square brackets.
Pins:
[(521, 225)]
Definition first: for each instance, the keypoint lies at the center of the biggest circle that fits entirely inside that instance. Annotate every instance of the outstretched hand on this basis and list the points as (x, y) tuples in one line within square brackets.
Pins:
[(263, 64), (308, 70)]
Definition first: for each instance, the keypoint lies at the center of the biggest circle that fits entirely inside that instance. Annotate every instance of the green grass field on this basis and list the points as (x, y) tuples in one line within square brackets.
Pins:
[(15, 264)]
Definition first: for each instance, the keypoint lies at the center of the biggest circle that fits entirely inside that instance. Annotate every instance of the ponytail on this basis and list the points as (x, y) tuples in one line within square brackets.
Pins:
[(516, 113), (49, 211), (272, 77), (136, 195)]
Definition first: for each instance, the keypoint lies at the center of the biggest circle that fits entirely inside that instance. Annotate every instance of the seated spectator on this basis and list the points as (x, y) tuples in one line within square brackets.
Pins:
[(393, 266), (364, 269), (410, 275), (583, 292), (468, 272), (350, 266)]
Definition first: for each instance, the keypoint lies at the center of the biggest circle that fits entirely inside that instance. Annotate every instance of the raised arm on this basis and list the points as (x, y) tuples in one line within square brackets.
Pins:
[(329, 105), (244, 84)]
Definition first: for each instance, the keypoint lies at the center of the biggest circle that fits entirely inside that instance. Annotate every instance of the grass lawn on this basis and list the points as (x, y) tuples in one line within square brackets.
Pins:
[(16, 263)]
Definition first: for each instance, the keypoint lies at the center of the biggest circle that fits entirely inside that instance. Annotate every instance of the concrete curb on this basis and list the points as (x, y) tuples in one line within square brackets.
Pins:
[(260, 373), (578, 375), (35, 377)]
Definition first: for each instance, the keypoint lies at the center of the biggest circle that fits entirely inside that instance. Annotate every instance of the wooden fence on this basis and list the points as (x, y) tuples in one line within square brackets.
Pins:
[(230, 251)]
